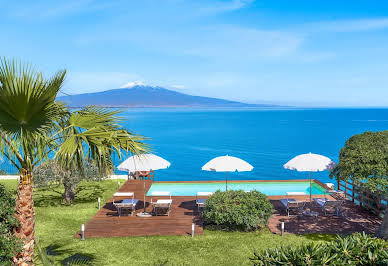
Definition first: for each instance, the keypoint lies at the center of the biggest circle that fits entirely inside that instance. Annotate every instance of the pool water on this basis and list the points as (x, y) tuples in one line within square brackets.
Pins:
[(268, 188)]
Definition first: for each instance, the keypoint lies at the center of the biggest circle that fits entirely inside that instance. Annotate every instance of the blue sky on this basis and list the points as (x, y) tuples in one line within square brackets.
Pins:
[(322, 53)]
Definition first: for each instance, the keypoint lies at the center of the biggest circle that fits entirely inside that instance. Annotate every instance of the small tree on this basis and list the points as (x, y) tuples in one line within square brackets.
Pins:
[(364, 159), (52, 175)]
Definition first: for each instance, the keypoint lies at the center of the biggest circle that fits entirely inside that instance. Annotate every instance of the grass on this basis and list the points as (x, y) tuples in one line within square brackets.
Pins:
[(57, 224)]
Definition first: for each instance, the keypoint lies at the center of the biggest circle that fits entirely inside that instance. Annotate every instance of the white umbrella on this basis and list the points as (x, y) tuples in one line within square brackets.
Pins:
[(144, 162), (227, 164), (310, 162)]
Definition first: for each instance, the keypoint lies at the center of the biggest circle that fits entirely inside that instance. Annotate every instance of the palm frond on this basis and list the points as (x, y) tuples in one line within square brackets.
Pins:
[(28, 110), (95, 133)]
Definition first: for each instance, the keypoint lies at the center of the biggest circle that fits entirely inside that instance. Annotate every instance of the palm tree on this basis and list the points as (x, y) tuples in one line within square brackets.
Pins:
[(33, 125), (92, 134), (27, 112)]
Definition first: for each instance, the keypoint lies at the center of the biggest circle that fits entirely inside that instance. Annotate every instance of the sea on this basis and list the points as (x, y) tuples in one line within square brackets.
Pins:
[(265, 138)]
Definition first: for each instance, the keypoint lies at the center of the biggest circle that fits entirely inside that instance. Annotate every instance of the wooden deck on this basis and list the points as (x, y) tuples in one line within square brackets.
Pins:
[(107, 223), (353, 219)]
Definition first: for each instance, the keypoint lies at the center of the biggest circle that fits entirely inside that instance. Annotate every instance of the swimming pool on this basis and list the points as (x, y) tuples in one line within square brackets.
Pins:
[(268, 188)]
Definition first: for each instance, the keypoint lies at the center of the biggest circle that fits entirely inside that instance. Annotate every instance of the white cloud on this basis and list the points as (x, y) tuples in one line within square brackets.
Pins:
[(239, 42), (216, 41), (214, 7), (351, 25), (56, 9)]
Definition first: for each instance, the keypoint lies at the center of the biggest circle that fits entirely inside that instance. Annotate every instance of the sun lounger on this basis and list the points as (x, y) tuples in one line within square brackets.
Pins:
[(200, 201), (325, 204), (163, 205), (293, 204), (296, 194), (125, 204)]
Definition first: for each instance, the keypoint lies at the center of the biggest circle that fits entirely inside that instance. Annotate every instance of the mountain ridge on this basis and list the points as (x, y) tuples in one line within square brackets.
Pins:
[(139, 95)]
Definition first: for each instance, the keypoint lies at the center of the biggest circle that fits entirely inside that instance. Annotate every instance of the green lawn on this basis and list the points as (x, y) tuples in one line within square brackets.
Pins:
[(56, 225)]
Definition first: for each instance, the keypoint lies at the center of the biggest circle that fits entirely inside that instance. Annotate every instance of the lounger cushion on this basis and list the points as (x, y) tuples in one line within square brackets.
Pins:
[(285, 201), (123, 194), (129, 201), (163, 201), (321, 201)]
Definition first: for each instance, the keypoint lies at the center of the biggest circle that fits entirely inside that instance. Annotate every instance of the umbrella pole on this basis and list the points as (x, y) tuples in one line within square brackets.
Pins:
[(144, 202), (310, 186), (226, 181)]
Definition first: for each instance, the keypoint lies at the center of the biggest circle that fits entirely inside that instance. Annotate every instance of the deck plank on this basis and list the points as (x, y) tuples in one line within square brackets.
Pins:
[(107, 223)]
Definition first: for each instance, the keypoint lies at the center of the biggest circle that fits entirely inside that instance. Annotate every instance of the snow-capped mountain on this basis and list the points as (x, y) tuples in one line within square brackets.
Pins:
[(137, 94)]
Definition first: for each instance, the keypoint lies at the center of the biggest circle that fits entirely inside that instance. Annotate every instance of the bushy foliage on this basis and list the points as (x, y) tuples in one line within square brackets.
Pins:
[(9, 245), (238, 210), (357, 249), (52, 174), (364, 159)]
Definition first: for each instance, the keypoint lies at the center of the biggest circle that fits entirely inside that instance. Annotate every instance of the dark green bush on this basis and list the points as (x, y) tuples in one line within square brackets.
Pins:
[(238, 210), (357, 249), (8, 243)]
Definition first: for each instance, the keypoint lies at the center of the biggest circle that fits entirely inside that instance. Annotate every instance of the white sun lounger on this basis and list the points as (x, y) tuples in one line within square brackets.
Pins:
[(296, 194), (290, 203), (129, 203), (200, 201), (161, 204), (325, 204)]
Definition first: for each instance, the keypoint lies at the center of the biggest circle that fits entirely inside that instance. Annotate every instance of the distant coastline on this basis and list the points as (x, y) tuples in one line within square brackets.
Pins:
[(141, 96), (189, 106)]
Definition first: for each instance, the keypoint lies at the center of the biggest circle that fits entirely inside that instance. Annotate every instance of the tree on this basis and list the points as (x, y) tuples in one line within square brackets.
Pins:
[(51, 175), (33, 125), (27, 112), (92, 134), (364, 159)]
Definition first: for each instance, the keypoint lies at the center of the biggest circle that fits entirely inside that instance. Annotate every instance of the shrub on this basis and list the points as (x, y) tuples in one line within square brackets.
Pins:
[(238, 210), (9, 245), (357, 249), (52, 175)]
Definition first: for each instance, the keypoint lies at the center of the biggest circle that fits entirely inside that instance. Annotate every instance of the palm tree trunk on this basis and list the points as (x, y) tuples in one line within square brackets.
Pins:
[(382, 232), (24, 212)]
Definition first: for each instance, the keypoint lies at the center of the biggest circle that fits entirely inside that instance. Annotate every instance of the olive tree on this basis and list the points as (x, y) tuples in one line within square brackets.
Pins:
[(364, 159), (52, 175)]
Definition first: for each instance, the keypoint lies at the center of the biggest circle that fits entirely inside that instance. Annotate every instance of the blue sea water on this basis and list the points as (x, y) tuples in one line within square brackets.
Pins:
[(266, 138)]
